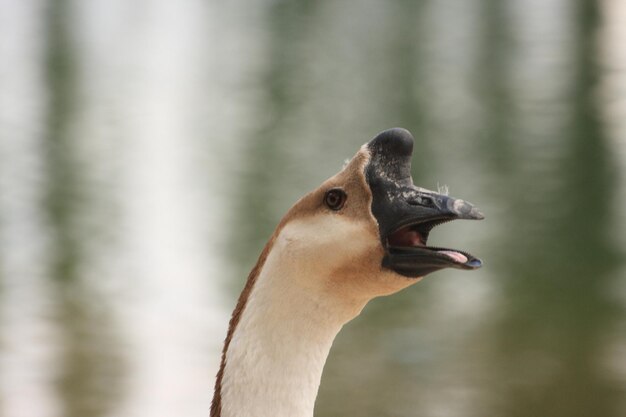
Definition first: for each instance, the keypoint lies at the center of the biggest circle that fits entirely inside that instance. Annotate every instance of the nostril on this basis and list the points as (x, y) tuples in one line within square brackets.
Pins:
[(421, 200)]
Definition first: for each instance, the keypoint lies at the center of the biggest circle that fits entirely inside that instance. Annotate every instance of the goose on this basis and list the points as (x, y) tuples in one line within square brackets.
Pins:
[(362, 234)]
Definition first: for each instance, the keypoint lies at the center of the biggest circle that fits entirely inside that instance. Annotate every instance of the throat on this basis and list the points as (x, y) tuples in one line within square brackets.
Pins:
[(275, 358)]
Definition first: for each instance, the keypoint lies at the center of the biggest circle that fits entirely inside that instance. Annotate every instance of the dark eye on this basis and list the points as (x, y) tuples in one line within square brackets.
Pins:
[(335, 198)]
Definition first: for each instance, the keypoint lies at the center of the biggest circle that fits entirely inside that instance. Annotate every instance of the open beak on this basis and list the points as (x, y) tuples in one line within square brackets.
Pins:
[(406, 214)]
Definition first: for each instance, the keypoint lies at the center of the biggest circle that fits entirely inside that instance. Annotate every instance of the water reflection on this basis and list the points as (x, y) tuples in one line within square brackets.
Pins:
[(89, 379), (121, 260), (551, 330)]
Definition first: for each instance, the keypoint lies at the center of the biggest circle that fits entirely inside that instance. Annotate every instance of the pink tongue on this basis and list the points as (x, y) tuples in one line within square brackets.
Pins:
[(459, 257)]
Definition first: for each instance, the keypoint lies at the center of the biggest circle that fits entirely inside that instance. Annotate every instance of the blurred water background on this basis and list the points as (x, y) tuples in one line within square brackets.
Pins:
[(148, 149)]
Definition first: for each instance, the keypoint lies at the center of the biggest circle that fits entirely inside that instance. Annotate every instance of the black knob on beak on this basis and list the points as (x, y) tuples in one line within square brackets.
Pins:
[(391, 153)]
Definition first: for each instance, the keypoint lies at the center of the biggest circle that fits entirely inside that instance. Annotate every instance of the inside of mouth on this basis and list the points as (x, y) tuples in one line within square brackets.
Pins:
[(417, 236), (405, 237)]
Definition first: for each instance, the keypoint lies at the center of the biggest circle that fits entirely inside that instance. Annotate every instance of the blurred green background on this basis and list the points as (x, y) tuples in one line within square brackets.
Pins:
[(149, 148)]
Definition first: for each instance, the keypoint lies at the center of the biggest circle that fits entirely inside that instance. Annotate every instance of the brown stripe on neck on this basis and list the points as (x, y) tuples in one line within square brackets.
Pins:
[(352, 176), (216, 405)]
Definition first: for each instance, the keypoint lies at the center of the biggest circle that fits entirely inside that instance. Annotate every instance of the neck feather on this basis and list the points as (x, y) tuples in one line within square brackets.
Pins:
[(273, 361)]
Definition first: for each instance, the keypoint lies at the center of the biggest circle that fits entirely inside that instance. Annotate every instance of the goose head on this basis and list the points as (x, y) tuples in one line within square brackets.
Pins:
[(364, 232)]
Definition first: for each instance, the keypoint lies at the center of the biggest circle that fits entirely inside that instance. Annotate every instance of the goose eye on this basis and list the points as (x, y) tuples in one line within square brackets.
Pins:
[(335, 198)]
